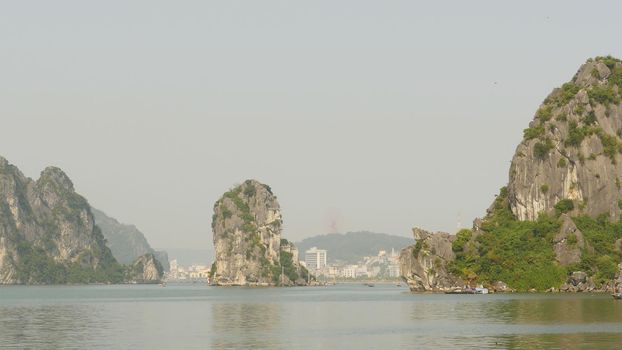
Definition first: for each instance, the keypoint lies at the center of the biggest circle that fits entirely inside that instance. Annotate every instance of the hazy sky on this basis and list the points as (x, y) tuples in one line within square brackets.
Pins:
[(361, 115)]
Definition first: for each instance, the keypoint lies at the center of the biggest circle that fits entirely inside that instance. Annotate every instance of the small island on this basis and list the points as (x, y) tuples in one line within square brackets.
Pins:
[(249, 249)]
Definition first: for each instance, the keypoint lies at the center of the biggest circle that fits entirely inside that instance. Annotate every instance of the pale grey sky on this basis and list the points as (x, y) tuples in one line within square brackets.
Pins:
[(361, 115)]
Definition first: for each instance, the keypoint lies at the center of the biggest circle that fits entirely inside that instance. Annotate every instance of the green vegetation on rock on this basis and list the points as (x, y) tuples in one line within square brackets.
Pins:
[(247, 240), (37, 267), (238, 196), (601, 261), (517, 252), (541, 149), (521, 253), (603, 94), (545, 113), (568, 92), (544, 188), (564, 206), (53, 239), (533, 132)]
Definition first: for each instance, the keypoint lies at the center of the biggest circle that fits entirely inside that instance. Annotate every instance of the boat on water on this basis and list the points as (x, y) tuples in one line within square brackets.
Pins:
[(617, 296), (468, 291), (461, 291), (368, 284)]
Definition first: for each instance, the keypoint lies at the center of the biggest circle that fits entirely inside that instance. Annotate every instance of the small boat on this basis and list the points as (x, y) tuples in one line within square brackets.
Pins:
[(468, 290), (369, 284), (461, 291), (617, 296)]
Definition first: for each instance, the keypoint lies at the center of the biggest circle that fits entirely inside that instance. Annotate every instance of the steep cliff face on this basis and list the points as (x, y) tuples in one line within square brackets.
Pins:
[(126, 242), (556, 226), (570, 155), (47, 232), (247, 237), (145, 269), (424, 266)]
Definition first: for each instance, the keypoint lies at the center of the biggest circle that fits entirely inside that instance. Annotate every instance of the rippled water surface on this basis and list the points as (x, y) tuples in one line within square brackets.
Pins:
[(334, 317)]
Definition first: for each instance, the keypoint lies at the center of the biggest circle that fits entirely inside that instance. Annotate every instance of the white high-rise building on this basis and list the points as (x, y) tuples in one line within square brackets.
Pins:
[(315, 258)]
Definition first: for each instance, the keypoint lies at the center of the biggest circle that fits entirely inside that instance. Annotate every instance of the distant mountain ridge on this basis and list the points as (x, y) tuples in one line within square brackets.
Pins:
[(126, 242), (353, 246)]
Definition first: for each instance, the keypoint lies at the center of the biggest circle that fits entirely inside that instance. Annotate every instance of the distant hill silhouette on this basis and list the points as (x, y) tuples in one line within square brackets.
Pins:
[(353, 246)]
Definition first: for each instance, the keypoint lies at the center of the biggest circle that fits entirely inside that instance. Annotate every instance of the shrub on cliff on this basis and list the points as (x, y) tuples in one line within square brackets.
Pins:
[(517, 252), (521, 253), (564, 206)]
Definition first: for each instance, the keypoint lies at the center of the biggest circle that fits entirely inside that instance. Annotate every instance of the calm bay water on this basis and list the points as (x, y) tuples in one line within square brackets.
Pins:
[(334, 317)]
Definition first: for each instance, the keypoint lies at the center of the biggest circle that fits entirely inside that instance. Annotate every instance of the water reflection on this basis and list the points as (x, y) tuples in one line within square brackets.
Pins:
[(556, 309), (340, 317), (517, 321), (560, 341), (519, 309), (246, 325), (48, 326)]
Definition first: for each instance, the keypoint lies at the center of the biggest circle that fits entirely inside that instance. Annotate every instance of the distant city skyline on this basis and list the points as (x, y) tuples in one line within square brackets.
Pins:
[(360, 115)]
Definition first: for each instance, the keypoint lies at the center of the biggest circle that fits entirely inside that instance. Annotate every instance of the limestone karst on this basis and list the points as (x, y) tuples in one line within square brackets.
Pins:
[(572, 148), (48, 235), (145, 269), (47, 232), (424, 264), (247, 227), (557, 220)]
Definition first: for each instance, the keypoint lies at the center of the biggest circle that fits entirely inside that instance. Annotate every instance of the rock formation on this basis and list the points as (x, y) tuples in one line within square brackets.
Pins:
[(47, 231), (126, 242), (570, 154), (578, 281), (424, 266), (617, 282), (146, 269), (569, 242), (294, 273), (247, 238), (568, 164)]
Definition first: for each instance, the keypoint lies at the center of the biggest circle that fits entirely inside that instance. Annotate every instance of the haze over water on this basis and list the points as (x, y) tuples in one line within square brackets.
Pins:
[(335, 317), (361, 115)]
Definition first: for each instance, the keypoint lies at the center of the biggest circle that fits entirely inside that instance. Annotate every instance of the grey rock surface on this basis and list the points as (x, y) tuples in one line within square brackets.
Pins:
[(569, 243), (573, 151), (146, 269), (48, 216), (424, 265), (246, 227)]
